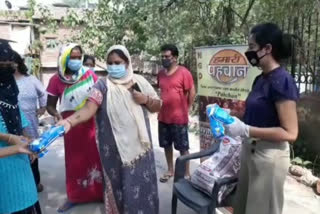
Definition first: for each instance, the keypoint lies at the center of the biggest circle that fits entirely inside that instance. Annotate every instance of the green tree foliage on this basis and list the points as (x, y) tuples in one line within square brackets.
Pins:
[(143, 25)]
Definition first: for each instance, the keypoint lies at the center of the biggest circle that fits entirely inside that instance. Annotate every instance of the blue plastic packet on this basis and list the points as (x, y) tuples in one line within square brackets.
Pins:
[(41, 144), (219, 114), (217, 118), (217, 128)]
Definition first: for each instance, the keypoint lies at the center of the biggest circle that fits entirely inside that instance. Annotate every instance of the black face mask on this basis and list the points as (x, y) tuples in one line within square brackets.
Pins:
[(6, 73), (253, 58), (166, 63)]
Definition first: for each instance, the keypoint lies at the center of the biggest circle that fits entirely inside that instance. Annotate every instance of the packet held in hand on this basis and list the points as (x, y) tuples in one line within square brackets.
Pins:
[(41, 144), (217, 128), (218, 117)]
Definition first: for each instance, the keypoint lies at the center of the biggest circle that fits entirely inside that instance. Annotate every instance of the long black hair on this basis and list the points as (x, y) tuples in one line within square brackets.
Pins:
[(22, 68), (9, 91), (270, 33)]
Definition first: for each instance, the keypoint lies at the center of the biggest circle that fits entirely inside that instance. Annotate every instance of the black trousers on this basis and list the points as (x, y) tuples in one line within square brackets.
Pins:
[(34, 209), (35, 171)]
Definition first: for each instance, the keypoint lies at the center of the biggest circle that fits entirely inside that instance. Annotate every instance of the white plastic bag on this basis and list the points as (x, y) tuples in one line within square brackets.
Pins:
[(222, 164)]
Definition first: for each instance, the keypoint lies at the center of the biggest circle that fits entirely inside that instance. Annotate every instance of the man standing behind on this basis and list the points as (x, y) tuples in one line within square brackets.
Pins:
[(177, 93)]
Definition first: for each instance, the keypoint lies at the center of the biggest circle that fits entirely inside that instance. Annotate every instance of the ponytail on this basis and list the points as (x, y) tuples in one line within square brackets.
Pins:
[(270, 33), (286, 47)]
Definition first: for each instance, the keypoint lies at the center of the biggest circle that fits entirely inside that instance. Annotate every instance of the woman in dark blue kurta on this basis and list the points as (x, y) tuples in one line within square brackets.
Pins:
[(270, 122)]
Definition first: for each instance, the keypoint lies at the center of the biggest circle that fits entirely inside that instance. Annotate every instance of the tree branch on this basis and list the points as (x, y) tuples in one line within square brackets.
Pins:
[(251, 3), (237, 14), (170, 3)]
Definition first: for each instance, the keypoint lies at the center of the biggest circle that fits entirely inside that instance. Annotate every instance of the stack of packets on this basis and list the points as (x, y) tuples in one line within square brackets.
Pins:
[(40, 145), (222, 164)]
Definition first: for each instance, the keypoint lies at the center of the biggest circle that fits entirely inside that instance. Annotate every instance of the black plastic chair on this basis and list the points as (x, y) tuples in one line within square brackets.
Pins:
[(192, 197)]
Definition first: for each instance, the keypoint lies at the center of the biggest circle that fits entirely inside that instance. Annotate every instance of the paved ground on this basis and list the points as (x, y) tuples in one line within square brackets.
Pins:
[(299, 199)]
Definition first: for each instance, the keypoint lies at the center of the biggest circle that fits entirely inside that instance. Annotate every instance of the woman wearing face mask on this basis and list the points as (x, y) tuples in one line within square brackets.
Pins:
[(270, 122), (121, 104), (18, 193), (32, 94), (72, 85), (89, 61)]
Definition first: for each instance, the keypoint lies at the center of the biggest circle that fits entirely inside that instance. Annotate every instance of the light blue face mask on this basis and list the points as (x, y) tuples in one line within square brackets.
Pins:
[(74, 64), (117, 71)]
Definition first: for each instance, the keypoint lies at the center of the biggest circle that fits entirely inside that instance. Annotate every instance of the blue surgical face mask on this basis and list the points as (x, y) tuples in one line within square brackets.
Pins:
[(74, 64), (117, 71)]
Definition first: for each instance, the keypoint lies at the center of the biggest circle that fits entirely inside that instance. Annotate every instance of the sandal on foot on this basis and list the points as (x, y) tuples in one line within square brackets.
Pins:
[(165, 178), (65, 207)]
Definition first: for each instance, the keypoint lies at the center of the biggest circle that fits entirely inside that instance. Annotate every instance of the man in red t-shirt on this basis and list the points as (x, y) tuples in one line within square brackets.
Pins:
[(177, 95)]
